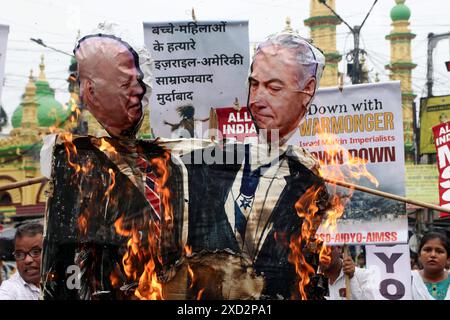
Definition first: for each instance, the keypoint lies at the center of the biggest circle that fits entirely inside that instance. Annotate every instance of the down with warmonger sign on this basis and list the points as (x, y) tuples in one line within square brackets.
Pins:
[(357, 134)]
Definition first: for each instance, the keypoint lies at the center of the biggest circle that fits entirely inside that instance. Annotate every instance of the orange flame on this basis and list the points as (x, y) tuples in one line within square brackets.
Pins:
[(113, 182), (114, 278), (149, 288), (140, 259), (106, 147), (325, 255), (306, 209), (200, 293), (353, 168), (83, 224), (191, 277), (118, 225), (162, 173), (188, 250), (350, 168), (70, 149)]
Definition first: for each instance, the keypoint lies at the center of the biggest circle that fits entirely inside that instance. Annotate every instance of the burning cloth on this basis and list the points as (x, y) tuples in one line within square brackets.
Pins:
[(180, 219), (174, 219)]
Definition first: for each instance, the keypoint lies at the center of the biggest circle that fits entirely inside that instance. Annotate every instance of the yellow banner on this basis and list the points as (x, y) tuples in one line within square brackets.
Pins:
[(433, 111), (421, 182)]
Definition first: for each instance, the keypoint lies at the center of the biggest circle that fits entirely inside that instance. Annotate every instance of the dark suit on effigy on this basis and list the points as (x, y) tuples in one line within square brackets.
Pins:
[(80, 233), (214, 230)]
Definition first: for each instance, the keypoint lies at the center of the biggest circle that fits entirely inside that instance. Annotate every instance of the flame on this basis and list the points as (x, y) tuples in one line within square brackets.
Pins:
[(149, 288), (200, 293), (83, 223), (306, 209), (70, 149), (106, 147), (353, 169), (191, 277), (325, 255), (162, 173), (138, 255), (87, 167), (114, 278), (113, 182), (118, 225), (71, 152), (141, 257)]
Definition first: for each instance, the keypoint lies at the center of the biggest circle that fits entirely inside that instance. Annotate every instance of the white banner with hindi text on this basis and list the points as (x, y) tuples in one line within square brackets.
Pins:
[(198, 66)]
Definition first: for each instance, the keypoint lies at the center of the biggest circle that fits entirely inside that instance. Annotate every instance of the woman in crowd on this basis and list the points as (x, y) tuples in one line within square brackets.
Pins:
[(432, 282)]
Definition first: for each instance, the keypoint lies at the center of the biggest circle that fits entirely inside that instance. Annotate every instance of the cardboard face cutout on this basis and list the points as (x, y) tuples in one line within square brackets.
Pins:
[(112, 83), (284, 76)]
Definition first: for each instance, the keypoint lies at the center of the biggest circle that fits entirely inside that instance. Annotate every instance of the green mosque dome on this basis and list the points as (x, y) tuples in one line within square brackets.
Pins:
[(400, 11), (50, 112)]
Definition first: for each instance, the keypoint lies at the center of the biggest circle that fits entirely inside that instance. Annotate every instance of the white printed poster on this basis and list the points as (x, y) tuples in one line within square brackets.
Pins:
[(198, 66), (365, 122), (391, 267), (4, 30)]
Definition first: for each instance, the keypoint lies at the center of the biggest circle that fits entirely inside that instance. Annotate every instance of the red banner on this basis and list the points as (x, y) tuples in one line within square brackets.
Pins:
[(442, 141), (235, 124)]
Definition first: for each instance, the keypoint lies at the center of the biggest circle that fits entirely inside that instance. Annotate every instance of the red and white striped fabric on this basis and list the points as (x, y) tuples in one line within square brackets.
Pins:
[(151, 187)]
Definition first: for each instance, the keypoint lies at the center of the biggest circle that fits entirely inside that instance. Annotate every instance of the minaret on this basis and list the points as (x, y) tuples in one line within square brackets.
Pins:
[(29, 117), (288, 28), (322, 23), (401, 67), (42, 70)]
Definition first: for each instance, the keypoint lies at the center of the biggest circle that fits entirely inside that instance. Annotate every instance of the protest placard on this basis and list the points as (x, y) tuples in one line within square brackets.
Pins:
[(234, 124), (391, 267), (198, 66), (361, 122), (441, 134)]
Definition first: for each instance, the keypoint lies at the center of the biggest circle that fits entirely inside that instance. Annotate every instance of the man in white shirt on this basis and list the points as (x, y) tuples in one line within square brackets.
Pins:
[(362, 284), (24, 284)]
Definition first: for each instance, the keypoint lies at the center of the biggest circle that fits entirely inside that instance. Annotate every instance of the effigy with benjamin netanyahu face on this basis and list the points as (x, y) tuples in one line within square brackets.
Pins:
[(184, 219)]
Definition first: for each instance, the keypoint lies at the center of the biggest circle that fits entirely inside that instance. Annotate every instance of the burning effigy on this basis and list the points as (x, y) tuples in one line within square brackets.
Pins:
[(185, 218)]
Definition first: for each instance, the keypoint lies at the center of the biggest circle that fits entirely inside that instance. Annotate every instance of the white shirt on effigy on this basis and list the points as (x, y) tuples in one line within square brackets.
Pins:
[(15, 288)]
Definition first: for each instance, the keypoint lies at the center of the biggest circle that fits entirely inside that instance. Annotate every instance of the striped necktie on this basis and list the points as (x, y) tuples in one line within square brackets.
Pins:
[(244, 202)]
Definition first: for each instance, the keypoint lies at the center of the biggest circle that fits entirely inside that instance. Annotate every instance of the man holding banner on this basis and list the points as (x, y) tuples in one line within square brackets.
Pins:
[(362, 284)]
